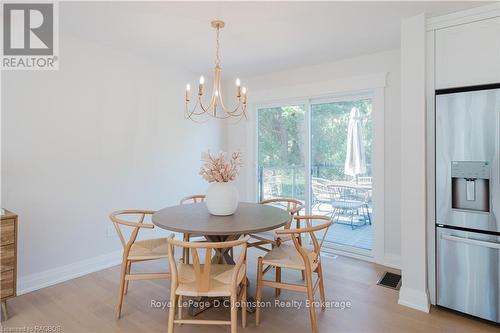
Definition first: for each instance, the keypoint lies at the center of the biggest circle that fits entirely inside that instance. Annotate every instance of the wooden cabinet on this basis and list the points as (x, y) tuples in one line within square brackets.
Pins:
[(8, 258)]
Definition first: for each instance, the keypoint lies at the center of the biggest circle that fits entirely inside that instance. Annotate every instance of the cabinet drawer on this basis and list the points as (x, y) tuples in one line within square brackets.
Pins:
[(7, 257), (6, 284), (7, 232)]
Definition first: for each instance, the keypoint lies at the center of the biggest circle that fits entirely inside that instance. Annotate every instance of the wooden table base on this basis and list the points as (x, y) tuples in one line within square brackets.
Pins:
[(223, 256)]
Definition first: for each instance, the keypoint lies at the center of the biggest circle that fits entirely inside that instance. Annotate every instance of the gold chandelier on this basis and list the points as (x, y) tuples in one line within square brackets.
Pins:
[(216, 107)]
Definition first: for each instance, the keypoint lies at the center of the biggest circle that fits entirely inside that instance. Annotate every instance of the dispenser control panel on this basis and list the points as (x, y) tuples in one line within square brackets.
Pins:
[(470, 169)]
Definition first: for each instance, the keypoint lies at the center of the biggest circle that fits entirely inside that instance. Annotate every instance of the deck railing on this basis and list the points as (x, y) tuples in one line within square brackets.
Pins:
[(289, 181)]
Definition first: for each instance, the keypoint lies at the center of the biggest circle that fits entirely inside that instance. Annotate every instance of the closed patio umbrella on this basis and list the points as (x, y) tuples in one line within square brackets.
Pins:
[(355, 161)]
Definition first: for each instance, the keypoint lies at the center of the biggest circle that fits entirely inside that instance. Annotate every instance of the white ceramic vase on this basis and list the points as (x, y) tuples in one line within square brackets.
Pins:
[(222, 198)]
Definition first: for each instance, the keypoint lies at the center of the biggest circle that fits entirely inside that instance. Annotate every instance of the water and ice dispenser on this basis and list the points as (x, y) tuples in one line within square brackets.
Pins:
[(470, 186)]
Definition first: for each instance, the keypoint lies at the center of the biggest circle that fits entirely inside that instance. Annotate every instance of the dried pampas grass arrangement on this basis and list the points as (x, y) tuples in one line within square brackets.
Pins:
[(217, 169)]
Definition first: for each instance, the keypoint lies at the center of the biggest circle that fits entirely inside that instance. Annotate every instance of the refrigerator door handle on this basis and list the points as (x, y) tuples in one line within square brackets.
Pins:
[(471, 241)]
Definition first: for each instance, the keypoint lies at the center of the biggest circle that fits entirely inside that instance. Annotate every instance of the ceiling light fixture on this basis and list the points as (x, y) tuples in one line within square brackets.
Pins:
[(216, 107)]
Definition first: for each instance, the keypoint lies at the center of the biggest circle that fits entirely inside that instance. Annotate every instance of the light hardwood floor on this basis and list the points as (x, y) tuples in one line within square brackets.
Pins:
[(87, 304)]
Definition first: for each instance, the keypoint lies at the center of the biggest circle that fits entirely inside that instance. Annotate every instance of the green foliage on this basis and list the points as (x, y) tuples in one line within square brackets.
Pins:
[(281, 136), (329, 124)]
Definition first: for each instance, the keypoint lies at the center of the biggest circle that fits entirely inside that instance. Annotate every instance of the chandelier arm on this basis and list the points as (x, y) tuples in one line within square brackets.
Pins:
[(193, 111), (239, 119), (222, 117), (216, 90), (198, 121), (227, 115), (205, 109), (223, 106), (233, 115), (233, 112), (236, 109), (217, 86), (244, 115)]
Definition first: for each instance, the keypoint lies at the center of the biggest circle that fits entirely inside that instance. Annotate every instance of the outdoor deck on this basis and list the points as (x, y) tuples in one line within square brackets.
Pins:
[(361, 236)]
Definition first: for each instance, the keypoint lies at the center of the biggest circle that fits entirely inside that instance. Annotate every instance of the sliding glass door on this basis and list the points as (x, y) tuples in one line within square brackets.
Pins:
[(341, 171), (320, 152)]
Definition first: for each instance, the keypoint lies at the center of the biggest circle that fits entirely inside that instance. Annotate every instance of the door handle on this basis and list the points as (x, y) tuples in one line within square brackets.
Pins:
[(471, 241)]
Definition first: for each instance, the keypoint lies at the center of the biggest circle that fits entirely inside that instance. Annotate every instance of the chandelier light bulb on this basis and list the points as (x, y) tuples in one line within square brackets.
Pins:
[(238, 82), (202, 80), (188, 88), (244, 91), (216, 93)]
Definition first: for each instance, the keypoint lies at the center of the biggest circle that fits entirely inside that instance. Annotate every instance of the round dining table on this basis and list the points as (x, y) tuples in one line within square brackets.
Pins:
[(195, 219)]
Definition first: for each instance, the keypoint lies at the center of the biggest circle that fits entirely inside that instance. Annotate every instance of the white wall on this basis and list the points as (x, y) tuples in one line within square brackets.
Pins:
[(389, 61), (413, 167), (105, 132)]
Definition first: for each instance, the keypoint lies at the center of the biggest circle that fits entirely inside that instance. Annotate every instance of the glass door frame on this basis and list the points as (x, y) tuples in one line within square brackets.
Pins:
[(331, 246), (376, 94)]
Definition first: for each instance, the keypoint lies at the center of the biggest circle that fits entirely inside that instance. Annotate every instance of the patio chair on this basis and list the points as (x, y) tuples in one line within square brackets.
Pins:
[(365, 180), (320, 192), (348, 201)]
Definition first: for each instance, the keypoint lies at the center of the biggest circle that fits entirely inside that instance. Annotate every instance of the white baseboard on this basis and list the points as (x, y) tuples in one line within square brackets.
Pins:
[(415, 299), (331, 251), (56, 275), (392, 260), (389, 260)]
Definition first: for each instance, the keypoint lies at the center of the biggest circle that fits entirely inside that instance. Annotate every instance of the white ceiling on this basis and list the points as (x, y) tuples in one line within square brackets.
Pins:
[(259, 36)]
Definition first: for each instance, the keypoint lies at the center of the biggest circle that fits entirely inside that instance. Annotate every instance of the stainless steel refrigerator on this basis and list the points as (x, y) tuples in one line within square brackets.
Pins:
[(468, 200)]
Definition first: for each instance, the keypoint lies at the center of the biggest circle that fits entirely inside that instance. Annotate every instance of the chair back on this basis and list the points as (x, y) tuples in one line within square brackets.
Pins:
[(193, 199), (293, 206), (365, 180), (344, 193), (118, 219), (320, 189), (202, 270), (311, 231)]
